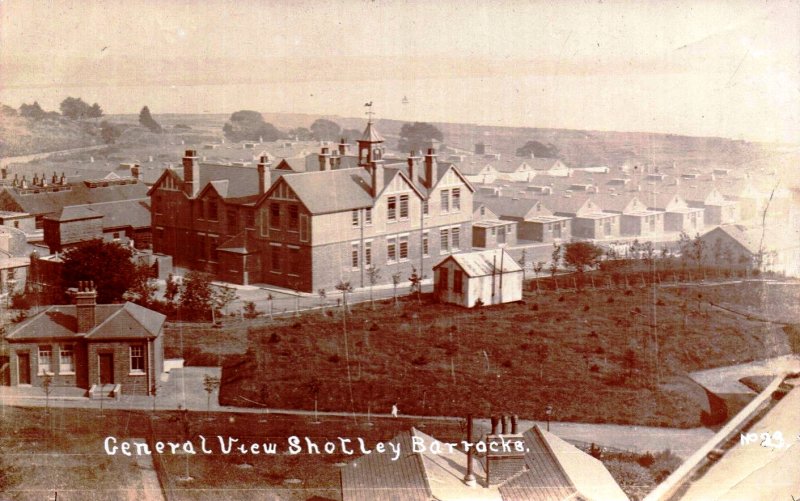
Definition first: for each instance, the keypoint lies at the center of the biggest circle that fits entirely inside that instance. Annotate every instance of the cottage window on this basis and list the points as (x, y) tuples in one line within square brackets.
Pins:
[(425, 245), (354, 255), (445, 197), (368, 254), (403, 206), (391, 250), (294, 218), (368, 216), (275, 259), (275, 216), (391, 208), (66, 363), (444, 240), (455, 242), (456, 199), (458, 283), (403, 248), (354, 217), (137, 358), (45, 354), (294, 261)]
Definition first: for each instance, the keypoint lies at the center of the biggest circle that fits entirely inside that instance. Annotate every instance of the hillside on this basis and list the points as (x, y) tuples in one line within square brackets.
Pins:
[(22, 136)]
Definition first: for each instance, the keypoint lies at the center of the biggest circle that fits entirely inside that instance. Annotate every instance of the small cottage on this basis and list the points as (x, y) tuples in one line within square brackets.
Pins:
[(483, 277)]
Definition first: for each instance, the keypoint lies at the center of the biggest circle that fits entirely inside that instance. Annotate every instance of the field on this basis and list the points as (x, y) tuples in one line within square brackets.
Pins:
[(592, 355)]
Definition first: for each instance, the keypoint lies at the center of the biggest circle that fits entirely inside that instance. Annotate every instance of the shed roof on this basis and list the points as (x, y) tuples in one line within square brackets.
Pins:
[(483, 263)]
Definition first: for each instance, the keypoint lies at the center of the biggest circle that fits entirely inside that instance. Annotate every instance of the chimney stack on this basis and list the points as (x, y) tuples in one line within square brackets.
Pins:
[(323, 158), (413, 166), (263, 176), (343, 147), (135, 171), (430, 168), (502, 464), (85, 302), (191, 173)]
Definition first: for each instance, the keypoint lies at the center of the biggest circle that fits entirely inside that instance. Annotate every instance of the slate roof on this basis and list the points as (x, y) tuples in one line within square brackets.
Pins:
[(542, 164), (49, 202), (328, 191), (520, 208), (483, 263), (371, 134), (566, 205), (74, 213), (133, 213), (113, 321)]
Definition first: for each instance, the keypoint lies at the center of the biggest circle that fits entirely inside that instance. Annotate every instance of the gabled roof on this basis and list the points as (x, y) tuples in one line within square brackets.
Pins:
[(113, 321), (48, 202), (522, 208), (571, 205), (473, 169), (328, 191), (484, 263), (133, 213), (540, 164), (622, 203)]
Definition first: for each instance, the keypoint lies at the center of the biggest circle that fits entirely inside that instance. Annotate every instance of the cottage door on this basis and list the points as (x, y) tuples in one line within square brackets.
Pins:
[(106, 368), (24, 364)]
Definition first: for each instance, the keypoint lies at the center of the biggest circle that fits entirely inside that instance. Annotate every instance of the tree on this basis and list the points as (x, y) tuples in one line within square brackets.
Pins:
[(32, 111), (581, 255), (344, 288), (8, 111), (75, 108), (250, 310), (350, 134), (93, 261), (109, 132), (221, 297), (555, 258), (300, 134), (210, 383), (418, 136), (147, 120), (95, 111), (416, 283), (143, 288), (538, 150), (196, 295), (171, 289), (325, 130), (395, 282), (374, 275), (248, 125)]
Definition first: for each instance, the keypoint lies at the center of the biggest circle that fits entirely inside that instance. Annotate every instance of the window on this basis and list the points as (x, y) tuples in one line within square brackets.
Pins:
[(443, 282), (249, 219), (354, 255), (294, 261), (455, 242), (354, 217), (367, 254), (444, 240), (403, 206), (483, 210), (304, 228), (275, 216), (157, 204), (294, 218), (213, 242), (425, 246), (368, 216), (116, 235), (458, 278), (391, 250), (16, 224), (445, 200), (212, 210), (391, 206), (66, 362), (45, 354), (201, 246), (275, 259), (137, 358), (403, 248), (424, 207), (233, 221), (456, 199)]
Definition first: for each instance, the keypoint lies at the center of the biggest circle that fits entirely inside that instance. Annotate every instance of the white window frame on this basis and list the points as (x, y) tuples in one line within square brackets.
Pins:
[(368, 216), (444, 240), (355, 256), (444, 198), (47, 367), (455, 199), (69, 366), (391, 212), (426, 210), (368, 253), (402, 239), (354, 218), (426, 244), (455, 238), (391, 248), (403, 203), (131, 357)]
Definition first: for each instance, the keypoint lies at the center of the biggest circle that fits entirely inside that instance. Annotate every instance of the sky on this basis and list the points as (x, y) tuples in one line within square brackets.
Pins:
[(718, 68)]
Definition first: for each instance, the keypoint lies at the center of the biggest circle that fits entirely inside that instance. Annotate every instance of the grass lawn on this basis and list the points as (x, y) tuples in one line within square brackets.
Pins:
[(590, 354)]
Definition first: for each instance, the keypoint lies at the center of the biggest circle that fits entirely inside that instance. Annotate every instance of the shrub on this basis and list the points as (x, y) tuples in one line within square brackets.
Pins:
[(250, 311), (420, 360), (274, 338), (610, 299), (334, 359), (646, 460)]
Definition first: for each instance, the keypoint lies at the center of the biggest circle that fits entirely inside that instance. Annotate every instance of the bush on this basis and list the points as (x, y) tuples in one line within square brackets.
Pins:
[(250, 311), (646, 460), (274, 338), (334, 359), (420, 360)]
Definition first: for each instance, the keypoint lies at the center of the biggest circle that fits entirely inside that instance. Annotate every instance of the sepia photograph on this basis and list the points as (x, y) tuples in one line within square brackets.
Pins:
[(400, 250)]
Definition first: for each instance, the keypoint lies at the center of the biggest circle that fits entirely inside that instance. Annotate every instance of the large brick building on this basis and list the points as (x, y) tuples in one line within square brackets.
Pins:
[(85, 345), (310, 230)]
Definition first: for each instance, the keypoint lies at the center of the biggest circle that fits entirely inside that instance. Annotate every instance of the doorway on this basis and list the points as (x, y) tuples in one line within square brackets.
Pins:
[(24, 365), (106, 368)]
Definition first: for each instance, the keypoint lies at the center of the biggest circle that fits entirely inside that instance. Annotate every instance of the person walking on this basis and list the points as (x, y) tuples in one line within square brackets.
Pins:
[(394, 410)]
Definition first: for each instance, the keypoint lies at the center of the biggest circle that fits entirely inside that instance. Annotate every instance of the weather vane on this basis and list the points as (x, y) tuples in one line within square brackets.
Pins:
[(369, 110)]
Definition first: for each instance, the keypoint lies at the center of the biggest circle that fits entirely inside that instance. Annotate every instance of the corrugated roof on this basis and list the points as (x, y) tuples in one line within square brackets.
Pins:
[(483, 263)]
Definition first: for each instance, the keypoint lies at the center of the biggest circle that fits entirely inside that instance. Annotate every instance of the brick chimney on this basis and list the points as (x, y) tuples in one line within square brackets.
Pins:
[(430, 168), (85, 301), (191, 173), (324, 155), (413, 166), (135, 173), (263, 174), (508, 458), (344, 148)]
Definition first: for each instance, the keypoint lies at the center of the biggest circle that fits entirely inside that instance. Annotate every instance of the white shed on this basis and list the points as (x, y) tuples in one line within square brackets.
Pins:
[(491, 276)]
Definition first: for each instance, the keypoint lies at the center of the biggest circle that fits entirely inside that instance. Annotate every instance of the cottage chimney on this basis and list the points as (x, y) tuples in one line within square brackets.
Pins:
[(469, 478), (16, 181), (414, 161), (344, 148), (430, 168), (191, 173), (135, 173), (54, 179), (502, 464), (4, 172), (85, 303), (24, 183), (377, 177), (324, 158), (35, 180), (263, 176), (62, 180)]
